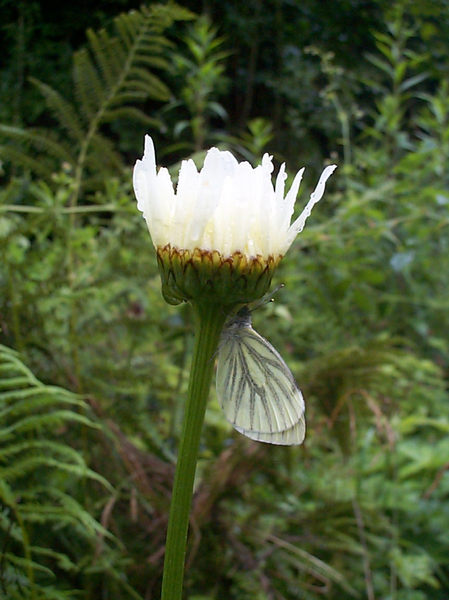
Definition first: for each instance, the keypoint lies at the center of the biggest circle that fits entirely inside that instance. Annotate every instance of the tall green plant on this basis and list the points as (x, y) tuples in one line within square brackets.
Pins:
[(200, 70)]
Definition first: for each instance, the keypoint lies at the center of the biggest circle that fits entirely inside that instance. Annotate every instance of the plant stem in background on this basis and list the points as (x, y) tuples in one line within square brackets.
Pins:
[(209, 323)]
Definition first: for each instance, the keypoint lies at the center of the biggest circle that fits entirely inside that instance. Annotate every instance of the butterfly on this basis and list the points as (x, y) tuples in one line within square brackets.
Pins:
[(255, 387)]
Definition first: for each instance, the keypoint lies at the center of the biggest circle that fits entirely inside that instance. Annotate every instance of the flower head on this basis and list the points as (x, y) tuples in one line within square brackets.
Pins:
[(228, 212)]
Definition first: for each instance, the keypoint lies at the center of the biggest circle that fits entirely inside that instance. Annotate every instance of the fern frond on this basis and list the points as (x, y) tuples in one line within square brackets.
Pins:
[(40, 446), (63, 515), (123, 98), (138, 39), (29, 463), (37, 423), (62, 560), (29, 392), (24, 160), (125, 26), (114, 72), (39, 140), (65, 504), (25, 563), (152, 43), (131, 113), (152, 61), (155, 87), (104, 155), (108, 76), (6, 494), (9, 382), (156, 90), (89, 90), (28, 400), (98, 45), (36, 466), (63, 111)]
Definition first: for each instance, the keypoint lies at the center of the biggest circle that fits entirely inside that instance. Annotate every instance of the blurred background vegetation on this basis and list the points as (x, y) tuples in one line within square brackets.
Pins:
[(93, 363)]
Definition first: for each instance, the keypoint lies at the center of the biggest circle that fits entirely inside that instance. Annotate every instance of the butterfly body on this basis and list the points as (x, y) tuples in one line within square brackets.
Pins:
[(255, 387)]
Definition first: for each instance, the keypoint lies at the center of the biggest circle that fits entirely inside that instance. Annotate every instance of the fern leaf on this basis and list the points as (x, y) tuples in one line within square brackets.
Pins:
[(115, 71), (9, 382), (26, 563), (34, 470), (89, 89), (62, 560), (152, 61), (39, 140), (6, 525), (6, 494), (29, 400), (62, 110), (131, 113), (17, 394), (40, 446), (78, 520), (97, 47), (123, 97), (117, 58), (16, 157), (103, 155), (29, 463), (127, 26), (152, 43), (41, 422), (69, 506), (155, 87)]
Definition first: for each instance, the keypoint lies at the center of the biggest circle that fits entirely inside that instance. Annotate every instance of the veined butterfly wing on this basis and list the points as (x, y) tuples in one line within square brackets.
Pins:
[(255, 387)]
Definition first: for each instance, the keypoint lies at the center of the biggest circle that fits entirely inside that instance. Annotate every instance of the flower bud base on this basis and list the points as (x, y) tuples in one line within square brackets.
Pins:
[(206, 276)]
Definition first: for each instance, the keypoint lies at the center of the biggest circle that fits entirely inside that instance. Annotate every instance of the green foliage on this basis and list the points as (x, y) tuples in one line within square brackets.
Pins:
[(252, 142), (361, 510), (110, 76), (349, 516), (42, 523), (198, 73)]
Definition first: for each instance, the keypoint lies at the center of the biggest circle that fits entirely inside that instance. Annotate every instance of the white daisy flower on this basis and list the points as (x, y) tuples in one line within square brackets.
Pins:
[(227, 206)]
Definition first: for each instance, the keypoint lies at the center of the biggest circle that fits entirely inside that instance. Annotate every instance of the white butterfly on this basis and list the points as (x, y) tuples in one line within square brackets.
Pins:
[(256, 389)]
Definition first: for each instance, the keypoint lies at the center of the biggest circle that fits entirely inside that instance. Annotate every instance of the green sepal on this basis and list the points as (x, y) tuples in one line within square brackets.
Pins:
[(207, 277)]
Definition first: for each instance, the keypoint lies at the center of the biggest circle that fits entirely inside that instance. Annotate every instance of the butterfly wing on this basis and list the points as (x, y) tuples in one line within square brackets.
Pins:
[(290, 437), (256, 389)]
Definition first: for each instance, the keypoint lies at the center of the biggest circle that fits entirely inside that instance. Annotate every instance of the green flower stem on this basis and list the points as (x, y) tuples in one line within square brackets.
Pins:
[(209, 323)]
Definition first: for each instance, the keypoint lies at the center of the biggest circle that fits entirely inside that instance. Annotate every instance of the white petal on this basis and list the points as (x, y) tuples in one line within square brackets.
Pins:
[(144, 172), (267, 163), (218, 164), (142, 187), (280, 183), (228, 206), (149, 154), (188, 177), (290, 198), (315, 197), (187, 191)]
